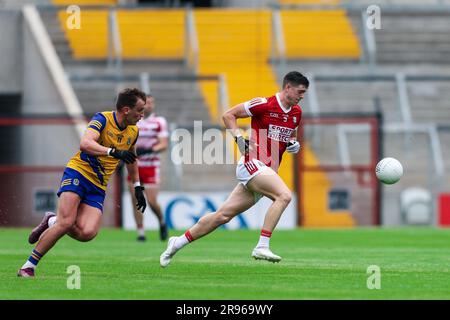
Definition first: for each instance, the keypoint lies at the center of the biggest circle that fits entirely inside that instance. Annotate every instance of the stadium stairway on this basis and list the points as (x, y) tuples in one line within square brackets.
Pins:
[(59, 40), (405, 36), (181, 102), (429, 103), (243, 56), (413, 38)]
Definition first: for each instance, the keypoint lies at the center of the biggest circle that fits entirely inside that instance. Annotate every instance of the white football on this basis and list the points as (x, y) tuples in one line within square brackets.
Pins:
[(389, 170)]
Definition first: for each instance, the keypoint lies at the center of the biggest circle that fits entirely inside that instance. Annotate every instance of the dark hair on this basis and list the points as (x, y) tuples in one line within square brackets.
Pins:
[(128, 98), (295, 78)]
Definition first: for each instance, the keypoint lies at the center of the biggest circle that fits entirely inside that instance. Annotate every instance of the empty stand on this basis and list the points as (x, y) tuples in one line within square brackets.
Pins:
[(319, 34)]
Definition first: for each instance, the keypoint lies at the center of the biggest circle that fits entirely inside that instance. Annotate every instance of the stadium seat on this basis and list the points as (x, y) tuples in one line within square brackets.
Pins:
[(242, 55), (84, 2), (91, 40), (144, 34), (319, 34), (152, 34)]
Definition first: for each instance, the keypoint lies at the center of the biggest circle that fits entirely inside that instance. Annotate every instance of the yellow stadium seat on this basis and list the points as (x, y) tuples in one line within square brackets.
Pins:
[(152, 34), (144, 34), (321, 2), (84, 2), (91, 40), (319, 34)]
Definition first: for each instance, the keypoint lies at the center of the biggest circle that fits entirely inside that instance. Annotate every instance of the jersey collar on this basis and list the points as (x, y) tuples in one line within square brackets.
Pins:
[(277, 95), (117, 123)]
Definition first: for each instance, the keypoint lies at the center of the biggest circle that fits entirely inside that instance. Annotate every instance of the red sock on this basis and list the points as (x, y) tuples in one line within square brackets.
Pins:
[(188, 236), (266, 233)]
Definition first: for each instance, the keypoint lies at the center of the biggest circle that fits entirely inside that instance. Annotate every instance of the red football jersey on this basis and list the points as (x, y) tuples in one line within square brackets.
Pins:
[(150, 130), (271, 128)]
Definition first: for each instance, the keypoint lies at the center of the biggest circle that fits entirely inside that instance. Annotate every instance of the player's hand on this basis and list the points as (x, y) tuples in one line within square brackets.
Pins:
[(293, 146), (141, 151), (243, 144), (125, 155), (141, 202)]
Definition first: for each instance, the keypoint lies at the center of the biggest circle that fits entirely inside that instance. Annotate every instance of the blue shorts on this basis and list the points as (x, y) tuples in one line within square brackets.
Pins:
[(90, 194)]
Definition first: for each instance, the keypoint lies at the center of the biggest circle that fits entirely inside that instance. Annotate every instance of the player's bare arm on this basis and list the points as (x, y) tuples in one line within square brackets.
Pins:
[(133, 171), (163, 144), (132, 168), (294, 144), (230, 118), (89, 144), (294, 134)]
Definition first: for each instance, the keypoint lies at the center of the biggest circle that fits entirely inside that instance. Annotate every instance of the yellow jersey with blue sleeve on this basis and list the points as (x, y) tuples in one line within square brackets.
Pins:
[(98, 169)]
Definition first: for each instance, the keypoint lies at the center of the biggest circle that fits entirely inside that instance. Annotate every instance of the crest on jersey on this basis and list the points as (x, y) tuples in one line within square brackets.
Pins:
[(285, 118)]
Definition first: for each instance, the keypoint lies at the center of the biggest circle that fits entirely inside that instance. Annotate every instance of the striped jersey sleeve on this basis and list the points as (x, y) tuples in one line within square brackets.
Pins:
[(98, 122), (255, 106), (163, 130)]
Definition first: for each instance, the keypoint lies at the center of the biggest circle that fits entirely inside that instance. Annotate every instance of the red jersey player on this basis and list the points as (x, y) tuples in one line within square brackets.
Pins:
[(274, 122), (153, 138)]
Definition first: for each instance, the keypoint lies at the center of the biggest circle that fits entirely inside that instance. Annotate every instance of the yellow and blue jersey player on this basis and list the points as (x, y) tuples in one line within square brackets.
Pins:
[(109, 138)]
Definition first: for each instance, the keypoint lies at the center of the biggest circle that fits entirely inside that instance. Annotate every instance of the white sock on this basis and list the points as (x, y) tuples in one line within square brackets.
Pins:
[(263, 242), (180, 242), (28, 264), (264, 239), (141, 231), (51, 221)]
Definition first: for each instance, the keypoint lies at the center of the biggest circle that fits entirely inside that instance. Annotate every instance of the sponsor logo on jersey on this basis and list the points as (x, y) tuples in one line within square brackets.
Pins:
[(274, 115), (279, 133)]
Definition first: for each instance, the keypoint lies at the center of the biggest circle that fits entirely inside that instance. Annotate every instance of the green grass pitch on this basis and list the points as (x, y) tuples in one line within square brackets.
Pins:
[(317, 264)]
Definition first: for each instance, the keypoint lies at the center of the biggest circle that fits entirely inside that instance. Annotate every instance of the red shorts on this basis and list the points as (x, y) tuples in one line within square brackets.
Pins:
[(148, 175)]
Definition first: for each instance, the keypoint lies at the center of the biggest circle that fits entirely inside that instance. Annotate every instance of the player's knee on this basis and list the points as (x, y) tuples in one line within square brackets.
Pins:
[(285, 197), (65, 224), (87, 234)]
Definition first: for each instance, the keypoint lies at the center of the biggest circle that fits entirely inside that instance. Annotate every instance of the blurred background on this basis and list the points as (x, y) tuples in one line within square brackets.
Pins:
[(379, 76)]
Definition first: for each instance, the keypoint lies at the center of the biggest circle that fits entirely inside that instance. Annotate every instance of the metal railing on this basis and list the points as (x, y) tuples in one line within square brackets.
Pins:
[(278, 48), (406, 126), (114, 60), (191, 42)]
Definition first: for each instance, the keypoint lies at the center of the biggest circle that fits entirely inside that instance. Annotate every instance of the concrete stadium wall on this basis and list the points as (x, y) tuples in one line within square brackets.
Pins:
[(40, 96), (247, 3), (10, 51)]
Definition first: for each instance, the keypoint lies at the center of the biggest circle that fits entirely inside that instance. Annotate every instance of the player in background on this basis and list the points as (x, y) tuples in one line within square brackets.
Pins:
[(274, 121), (109, 138), (153, 139)]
